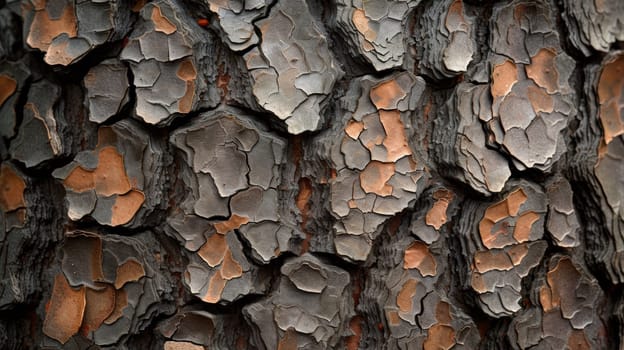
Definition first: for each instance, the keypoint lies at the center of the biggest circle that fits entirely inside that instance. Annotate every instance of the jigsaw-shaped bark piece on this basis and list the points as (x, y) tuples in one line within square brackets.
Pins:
[(405, 293), (310, 308), (466, 156), (562, 223), (230, 169), (503, 243), (532, 99), (203, 329), (594, 24), (13, 78), (67, 30), (221, 273), (375, 29), (40, 136), (445, 37), (108, 288), (566, 315), (107, 89), (377, 174), (120, 182), (236, 21), (433, 214), (169, 54), (292, 69)]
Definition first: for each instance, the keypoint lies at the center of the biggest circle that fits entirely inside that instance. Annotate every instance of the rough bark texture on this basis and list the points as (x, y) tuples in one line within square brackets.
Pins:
[(308, 174)]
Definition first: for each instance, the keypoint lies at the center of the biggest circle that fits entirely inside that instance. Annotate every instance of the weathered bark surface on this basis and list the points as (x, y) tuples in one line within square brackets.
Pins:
[(308, 174)]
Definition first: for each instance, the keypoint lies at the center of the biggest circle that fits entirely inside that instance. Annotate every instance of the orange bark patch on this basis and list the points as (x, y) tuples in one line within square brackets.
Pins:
[(524, 223), (375, 176), (540, 100), (216, 284), (439, 337), (44, 29), (492, 260), (562, 281), (361, 23), (610, 92), (578, 341), (80, 180), (213, 251), (161, 23), (355, 325), (58, 53), (182, 345), (12, 188), (234, 222), (110, 176), (302, 202), (354, 129), (121, 301), (417, 256), (100, 304), (543, 70), (506, 208), (455, 17), (392, 317), (64, 315), (406, 294), (8, 86), (387, 94), (436, 216), (126, 206), (129, 271), (186, 102), (230, 268), (187, 72), (289, 341), (396, 140), (518, 252), (504, 76)]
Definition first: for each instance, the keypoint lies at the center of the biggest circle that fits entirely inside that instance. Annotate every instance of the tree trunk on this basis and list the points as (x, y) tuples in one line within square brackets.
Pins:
[(307, 174)]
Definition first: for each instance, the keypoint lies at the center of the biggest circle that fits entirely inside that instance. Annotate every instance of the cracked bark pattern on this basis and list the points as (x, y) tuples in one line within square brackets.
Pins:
[(502, 242), (310, 308), (231, 172), (447, 51), (376, 173), (311, 174), (532, 98), (594, 25), (292, 69), (167, 52), (375, 29), (67, 31), (110, 183)]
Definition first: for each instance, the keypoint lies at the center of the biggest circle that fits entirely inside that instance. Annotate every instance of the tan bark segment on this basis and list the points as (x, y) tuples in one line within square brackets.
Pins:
[(8, 86), (12, 188), (99, 306), (65, 311), (129, 271), (610, 92), (417, 256)]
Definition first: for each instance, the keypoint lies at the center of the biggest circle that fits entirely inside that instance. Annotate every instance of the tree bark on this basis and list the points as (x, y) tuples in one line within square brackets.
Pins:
[(307, 174)]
